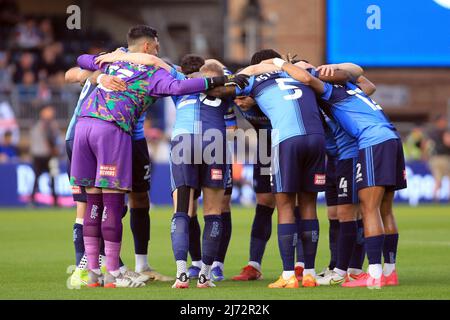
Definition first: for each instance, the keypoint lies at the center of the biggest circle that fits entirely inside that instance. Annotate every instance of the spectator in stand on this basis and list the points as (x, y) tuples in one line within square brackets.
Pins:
[(9, 16), (5, 72), (415, 145), (26, 64), (8, 122), (51, 66), (44, 140), (440, 159), (27, 35), (27, 89), (46, 30), (8, 152)]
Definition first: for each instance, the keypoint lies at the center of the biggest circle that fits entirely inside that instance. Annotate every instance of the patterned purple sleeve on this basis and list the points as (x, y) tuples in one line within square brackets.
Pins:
[(163, 84), (87, 62)]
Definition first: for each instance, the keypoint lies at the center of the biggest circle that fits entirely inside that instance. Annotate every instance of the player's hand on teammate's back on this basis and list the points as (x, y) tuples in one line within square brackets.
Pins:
[(113, 83), (327, 69), (238, 80)]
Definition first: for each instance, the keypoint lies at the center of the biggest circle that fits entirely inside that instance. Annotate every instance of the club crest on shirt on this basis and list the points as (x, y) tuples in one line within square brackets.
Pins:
[(108, 171), (216, 174)]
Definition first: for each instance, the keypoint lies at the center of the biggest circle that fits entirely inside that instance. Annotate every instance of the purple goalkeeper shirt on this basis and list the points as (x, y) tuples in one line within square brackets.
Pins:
[(144, 85)]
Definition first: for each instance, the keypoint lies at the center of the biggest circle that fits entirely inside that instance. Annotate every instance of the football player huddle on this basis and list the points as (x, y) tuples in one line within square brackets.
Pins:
[(317, 130)]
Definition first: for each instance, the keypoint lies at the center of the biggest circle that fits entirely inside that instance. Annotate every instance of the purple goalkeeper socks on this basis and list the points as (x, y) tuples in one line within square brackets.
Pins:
[(92, 229), (112, 228)]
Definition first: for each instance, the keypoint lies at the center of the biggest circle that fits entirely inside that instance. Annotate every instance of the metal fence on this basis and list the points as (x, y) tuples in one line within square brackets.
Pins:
[(26, 102)]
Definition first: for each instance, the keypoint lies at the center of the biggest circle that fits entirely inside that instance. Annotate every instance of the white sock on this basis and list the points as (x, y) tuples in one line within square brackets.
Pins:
[(255, 265), (122, 269), (116, 273), (217, 264), (83, 263), (375, 270), (287, 274), (206, 270), (181, 267), (388, 268), (354, 271), (197, 264), (309, 271), (141, 262), (340, 272), (79, 221), (300, 264)]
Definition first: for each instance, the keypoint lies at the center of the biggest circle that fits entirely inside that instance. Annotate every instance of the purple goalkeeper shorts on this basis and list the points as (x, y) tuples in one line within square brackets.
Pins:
[(101, 156)]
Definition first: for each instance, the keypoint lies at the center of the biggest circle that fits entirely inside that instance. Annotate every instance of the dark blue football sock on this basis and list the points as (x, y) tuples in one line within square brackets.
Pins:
[(261, 232), (346, 243), (374, 248), (212, 235), (287, 239), (333, 236), (179, 233), (226, 236), (310, 239), (195, 250), (359, 251), (140, 227), (78, 242), (390, 248), (299, 246)]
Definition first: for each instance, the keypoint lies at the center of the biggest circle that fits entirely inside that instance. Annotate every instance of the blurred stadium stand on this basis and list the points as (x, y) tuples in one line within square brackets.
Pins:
[(229, 30), (36, 48)]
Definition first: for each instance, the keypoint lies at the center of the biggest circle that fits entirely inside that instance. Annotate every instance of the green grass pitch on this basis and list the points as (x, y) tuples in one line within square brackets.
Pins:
[(36, 249)]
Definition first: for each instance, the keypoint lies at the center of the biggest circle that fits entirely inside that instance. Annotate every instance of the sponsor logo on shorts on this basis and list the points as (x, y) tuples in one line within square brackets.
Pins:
[(108, 171), (319, 179), (76, 190), (216, 174)]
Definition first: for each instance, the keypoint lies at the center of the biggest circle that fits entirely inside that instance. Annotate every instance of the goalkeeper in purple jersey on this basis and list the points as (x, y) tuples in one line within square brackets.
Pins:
[(102, 148)]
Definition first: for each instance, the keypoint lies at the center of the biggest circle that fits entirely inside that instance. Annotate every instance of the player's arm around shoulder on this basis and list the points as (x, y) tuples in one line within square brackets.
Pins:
[(136, 58), (366, 85), (263, 67), (76, 74), (301, 75), (339, 73)]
